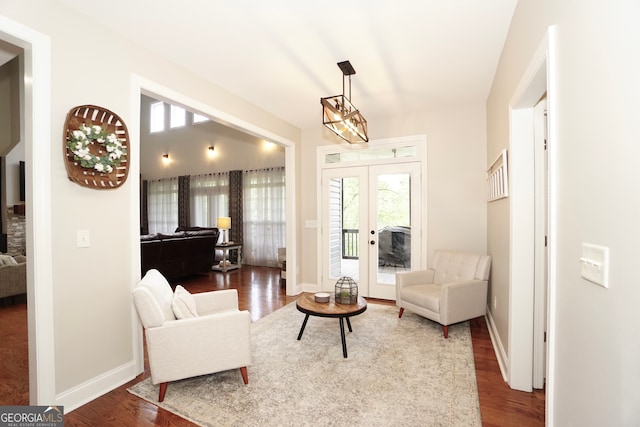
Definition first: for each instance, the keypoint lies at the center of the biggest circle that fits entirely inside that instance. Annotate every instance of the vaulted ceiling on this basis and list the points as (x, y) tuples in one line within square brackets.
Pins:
[(281, 54)]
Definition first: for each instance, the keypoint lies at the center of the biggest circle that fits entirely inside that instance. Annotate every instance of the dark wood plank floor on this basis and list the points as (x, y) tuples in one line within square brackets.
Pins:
[(260, 292)]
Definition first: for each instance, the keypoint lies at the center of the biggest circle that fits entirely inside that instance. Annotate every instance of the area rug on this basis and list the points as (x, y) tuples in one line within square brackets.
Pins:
[(399, 372)]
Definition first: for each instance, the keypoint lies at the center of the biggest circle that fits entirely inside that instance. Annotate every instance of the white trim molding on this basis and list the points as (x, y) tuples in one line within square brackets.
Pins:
[(36, 120)]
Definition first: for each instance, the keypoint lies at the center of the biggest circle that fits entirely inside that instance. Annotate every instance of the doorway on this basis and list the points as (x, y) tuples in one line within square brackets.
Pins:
[(531, 276), (373, 217), (36, 69)]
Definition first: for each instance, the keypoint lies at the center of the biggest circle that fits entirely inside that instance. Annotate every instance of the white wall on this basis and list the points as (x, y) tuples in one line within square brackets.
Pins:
[(455, 193), (188, 149), (595, 338), (92, 317)]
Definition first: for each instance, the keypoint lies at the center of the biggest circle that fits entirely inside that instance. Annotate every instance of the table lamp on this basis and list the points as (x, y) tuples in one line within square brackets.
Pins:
[(224, 223)]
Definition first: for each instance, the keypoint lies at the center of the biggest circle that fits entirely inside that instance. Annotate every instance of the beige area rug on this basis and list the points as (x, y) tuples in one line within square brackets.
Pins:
[(400, 372)]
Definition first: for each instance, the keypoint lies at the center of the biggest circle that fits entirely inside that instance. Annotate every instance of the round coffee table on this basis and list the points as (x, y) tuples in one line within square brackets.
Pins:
[(306, 304)]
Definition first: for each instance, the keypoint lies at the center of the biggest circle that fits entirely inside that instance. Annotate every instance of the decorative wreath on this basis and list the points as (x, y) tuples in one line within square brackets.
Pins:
[(80, 140)]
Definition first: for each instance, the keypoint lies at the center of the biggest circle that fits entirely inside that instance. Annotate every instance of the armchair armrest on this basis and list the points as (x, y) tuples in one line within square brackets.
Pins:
[(415, 277), (216, 301), (463, 300)]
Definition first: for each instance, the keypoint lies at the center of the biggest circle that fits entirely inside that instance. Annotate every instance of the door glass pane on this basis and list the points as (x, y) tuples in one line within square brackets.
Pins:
[(394, 225), (372, 154), (344, 224)]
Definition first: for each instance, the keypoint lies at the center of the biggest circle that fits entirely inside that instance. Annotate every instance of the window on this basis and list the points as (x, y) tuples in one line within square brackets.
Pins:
[(264, 215), (209, 198), (178, 117), (162, 198), (156, 120), (372, 154), (197, 118)]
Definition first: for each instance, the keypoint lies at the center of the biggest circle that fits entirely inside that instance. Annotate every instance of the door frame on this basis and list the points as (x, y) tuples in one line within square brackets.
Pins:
[(36, 122), (539, 78), (541, 255), (418, 142)]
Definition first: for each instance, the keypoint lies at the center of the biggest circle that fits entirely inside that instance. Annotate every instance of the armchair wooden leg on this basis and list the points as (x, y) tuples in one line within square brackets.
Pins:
[(163, 391), (401, 311), (445, 329), (245, 376)]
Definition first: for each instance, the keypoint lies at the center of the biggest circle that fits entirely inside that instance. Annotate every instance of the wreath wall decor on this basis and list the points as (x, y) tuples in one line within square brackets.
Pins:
[(96, 147)]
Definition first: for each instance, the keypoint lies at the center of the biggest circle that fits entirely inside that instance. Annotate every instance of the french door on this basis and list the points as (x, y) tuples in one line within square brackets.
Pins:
[(371, 225)]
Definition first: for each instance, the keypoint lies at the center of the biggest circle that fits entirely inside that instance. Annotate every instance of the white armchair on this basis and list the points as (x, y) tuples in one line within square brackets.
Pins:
[(453, 290), (216, 339)]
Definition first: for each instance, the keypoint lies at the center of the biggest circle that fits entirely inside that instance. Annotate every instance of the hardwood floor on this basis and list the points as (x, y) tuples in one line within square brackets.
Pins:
[(260, 292)]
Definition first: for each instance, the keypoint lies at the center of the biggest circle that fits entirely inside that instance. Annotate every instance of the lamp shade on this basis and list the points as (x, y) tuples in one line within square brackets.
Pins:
[(224, 222)]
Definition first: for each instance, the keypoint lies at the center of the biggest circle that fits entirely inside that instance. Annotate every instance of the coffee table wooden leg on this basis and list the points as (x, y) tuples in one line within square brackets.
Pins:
[(344, 341), (304, 323)]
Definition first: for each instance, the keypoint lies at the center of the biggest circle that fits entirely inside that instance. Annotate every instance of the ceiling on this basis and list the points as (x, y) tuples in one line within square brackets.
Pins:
[(281, 54), (8, 52)]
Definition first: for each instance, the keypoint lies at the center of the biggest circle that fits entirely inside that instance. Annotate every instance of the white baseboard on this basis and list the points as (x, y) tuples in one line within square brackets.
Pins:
[(310, 287), (498, 348), (96, 387)]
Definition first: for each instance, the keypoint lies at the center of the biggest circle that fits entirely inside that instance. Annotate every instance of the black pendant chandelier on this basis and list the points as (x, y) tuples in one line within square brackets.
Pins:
[(341, 116)]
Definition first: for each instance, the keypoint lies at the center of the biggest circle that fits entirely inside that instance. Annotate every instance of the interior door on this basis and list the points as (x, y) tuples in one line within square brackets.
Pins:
[(371, 225)]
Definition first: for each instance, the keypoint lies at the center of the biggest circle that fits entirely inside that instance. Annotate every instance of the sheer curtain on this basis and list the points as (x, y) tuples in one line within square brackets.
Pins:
[(264, 216), (209, 198), (162, 199)]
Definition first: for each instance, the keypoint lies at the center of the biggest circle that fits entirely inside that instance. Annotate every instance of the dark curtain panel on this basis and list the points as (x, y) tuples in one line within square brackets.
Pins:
[(184, 202), (235, 206), (144, 208)]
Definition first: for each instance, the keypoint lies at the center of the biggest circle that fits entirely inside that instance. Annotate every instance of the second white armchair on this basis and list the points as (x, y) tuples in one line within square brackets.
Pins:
[(453, 290)]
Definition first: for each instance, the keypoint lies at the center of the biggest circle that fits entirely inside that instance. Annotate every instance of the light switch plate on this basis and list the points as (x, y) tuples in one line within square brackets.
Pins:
[(594, 264)]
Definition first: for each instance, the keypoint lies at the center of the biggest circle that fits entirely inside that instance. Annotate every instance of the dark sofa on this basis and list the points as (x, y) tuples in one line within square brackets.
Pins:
[(187, 251)]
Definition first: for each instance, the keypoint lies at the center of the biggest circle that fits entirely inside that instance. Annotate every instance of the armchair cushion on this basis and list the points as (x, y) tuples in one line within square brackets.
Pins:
[(183, 304), (7, 260), (427, 296)]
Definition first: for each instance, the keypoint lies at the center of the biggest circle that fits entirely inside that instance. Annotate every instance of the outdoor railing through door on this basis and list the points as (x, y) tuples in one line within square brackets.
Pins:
[(350, 248)]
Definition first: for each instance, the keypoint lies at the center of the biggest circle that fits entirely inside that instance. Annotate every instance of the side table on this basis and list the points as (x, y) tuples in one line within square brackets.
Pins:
[(225, 265)]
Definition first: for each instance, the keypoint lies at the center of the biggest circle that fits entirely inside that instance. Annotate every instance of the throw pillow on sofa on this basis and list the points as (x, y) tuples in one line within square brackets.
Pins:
[(183, 304), (7, 260)]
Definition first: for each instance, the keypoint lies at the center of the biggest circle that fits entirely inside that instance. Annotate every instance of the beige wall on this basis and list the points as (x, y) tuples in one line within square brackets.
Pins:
[(92, 334), (10, 143), (455, 193), (594, 335)]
